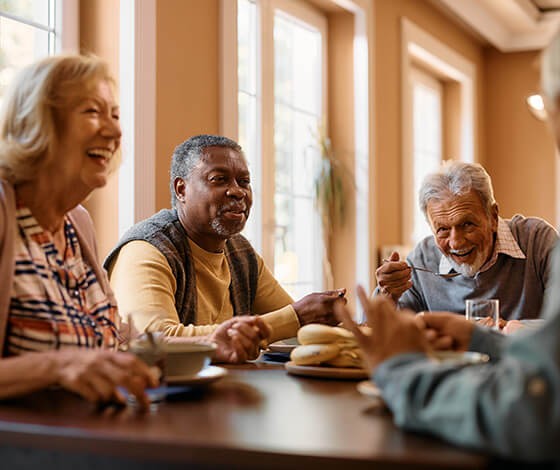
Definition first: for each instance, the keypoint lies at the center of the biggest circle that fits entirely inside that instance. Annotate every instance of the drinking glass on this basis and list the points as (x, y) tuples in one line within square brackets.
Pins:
[(480, 309)]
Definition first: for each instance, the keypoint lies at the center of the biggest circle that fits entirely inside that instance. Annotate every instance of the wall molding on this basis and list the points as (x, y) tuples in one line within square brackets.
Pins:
[(509, 25)]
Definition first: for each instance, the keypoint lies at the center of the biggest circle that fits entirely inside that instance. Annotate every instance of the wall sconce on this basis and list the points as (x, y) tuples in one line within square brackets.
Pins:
[(536, 106)]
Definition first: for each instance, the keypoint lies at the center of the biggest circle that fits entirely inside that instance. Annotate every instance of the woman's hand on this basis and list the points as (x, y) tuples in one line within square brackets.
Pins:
[(96, 374), (238, 339)]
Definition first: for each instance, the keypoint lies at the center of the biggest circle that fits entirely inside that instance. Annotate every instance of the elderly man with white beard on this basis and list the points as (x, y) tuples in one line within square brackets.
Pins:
[(496, 258)]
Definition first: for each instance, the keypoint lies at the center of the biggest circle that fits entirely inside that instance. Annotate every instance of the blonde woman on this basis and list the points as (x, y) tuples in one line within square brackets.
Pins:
[(59, 140)]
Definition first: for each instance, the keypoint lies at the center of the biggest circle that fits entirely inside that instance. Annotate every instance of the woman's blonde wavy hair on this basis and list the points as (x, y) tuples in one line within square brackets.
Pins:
[(28, 124)]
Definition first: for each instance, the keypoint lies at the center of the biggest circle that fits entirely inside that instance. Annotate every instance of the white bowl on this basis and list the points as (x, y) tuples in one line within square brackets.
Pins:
[(187, 359)]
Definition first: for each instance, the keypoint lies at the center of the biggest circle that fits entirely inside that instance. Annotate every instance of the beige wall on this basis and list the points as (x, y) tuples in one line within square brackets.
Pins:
[(99, 34), (341, 132), (452, 121), (187, 96), (520, 151), (387, 184)]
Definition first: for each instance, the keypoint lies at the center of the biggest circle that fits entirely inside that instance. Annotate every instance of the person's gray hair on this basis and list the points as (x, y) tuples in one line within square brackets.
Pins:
[(456, 179), (187, 155), (550, 69)]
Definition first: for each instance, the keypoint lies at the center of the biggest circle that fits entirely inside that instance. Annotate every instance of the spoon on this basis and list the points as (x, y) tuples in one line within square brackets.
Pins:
[(444, 276)]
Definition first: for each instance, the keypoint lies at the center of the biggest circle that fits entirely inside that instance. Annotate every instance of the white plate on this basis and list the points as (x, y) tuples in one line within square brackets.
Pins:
[(459, 358), (205, 376), (327, 372), (283, 346), (369, 389)]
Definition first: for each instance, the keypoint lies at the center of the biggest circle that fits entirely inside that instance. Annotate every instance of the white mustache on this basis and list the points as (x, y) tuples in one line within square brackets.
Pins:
[(460, 252)]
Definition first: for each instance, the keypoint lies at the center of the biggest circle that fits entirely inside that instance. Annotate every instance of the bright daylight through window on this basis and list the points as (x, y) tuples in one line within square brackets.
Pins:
[(248, 99), (427, 125), (27, 33), (296, 116)]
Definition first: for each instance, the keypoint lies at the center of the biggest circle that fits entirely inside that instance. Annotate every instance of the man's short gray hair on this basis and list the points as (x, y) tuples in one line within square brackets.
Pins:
[(456, 179), (187, 155)]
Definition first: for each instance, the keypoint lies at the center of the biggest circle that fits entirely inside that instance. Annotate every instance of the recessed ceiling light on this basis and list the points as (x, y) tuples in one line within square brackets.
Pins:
[(536, 106)]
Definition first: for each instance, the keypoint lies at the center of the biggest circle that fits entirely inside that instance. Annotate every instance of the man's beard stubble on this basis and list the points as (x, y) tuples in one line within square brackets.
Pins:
[(228, 228)]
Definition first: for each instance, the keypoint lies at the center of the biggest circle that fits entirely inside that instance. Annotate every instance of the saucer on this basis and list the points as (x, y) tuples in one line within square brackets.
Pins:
[(344, 373), (369, 389), (283, 346), (205, 376)]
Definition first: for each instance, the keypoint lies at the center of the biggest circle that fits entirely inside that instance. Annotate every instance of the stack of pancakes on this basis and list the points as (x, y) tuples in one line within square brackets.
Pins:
[(327, 345)]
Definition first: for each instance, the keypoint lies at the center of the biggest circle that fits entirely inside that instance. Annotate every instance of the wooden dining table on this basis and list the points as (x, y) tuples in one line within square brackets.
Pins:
[(256, 417)]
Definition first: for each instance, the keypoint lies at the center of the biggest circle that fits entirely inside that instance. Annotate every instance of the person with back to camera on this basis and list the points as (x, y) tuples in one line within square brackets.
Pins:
[(508, 407)]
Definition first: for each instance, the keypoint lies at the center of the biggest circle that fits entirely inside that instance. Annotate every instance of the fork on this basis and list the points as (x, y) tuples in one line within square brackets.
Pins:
[(444, 276)]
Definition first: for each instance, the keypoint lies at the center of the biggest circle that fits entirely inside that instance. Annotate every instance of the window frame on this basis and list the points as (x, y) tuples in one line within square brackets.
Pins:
[(364, 121), (66, 25), (137, 68), (418, 45), (309, 18), (68, 17), (229, 121), (431, 82)]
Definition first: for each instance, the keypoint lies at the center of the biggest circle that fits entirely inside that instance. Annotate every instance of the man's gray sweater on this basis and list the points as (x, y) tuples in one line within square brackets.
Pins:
[(519, 284)]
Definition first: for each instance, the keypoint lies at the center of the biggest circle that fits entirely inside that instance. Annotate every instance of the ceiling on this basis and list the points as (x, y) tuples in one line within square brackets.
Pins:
[(544, 5), (508, 25)]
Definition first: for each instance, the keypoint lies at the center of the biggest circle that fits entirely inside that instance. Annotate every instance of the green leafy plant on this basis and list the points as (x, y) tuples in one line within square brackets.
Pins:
[(329, 184), (330, 196)]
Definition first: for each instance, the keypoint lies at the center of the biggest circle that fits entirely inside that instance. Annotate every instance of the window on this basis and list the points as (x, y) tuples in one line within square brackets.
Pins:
[(427, 138), (32, 29), (439, 111), (248, 102), (27, 33), (281, 104)]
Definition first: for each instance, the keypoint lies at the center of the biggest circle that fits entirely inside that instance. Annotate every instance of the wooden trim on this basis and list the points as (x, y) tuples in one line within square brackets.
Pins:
[(137, 99), (229, 112), (266, 92), (68, 26), (418, 44)]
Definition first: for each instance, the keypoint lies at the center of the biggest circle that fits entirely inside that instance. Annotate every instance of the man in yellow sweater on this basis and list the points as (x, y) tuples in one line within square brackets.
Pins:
[(186, 270)]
